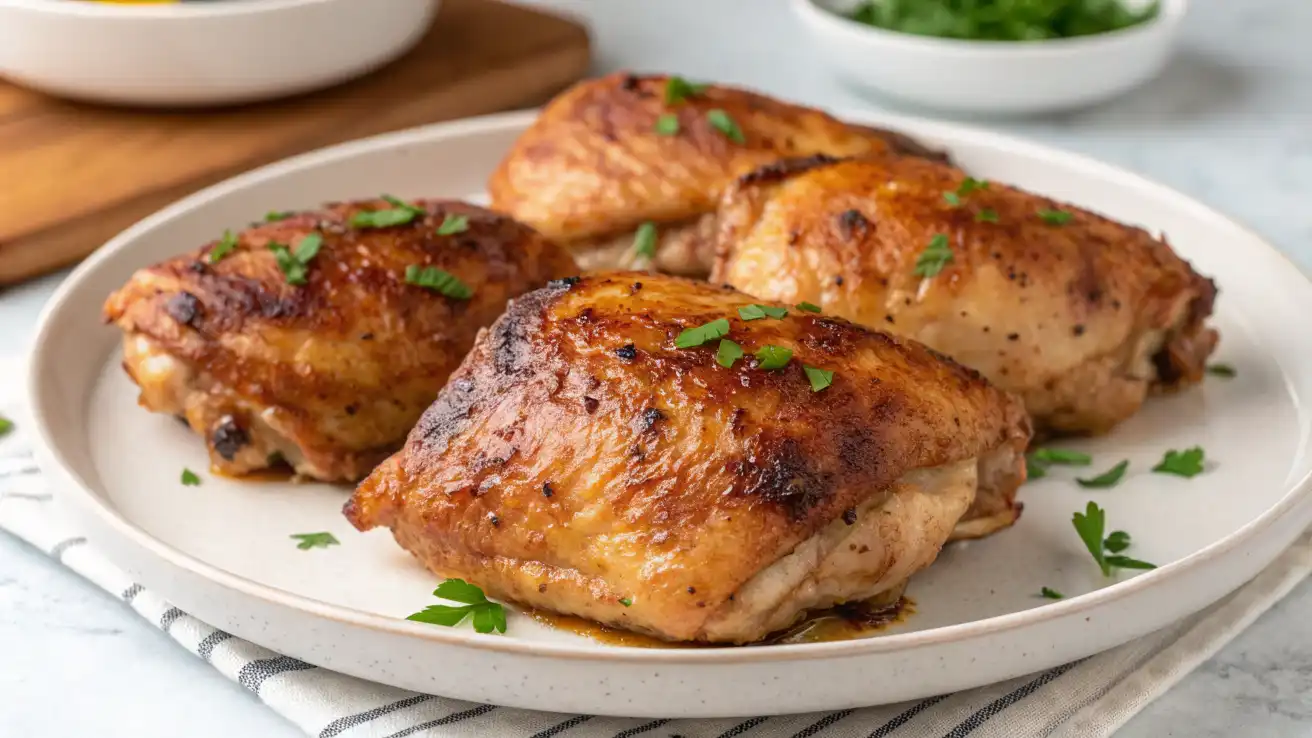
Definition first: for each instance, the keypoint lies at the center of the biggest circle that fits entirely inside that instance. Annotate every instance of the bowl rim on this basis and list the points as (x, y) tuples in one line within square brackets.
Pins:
[(1296, 501), (1168, 18), (157, 11)]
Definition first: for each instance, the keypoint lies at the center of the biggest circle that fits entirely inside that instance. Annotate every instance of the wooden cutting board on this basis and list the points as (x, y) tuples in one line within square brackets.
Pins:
[(73, 175)]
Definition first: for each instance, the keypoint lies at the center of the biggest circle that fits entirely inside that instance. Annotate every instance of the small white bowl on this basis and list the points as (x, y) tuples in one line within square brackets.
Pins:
[(990, 77), (205, 53)]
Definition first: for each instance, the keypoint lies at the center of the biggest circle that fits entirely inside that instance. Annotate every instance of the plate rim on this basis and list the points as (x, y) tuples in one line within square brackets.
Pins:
[(1297, 493)]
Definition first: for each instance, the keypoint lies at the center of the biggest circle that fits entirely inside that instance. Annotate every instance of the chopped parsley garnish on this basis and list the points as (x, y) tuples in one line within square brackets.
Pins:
[(189, 478), (773, 357), (1061, 456), (225, 246), (935, 256), (644, 240), (967, 186), (1050, 593), (626, 601), (718, 328), (453, 224), (721, 121), (1034, 469), (6, 426), (808, 307), (1090, 527), (667, 125), (1030, 20), (486, 615), (728, 353), (1109, 478), (1055, 217), (1187, 463), (757, 312), (1221, 370), (296, 263), (952, 198), (439, 281), (273, 216), (678, 89), (308, 541), (400, 213), (986, 215), (820, 378)]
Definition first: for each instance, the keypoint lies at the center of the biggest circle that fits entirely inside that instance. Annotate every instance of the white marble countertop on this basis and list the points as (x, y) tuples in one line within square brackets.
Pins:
[(1229, 122)]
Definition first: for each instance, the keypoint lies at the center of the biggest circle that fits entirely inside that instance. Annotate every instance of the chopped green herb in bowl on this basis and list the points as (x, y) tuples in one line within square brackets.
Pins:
[(1003, 20)]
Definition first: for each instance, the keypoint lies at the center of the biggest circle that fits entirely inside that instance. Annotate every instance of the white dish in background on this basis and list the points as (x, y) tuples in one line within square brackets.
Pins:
[(221, 551), (190, 54), (990, 77)]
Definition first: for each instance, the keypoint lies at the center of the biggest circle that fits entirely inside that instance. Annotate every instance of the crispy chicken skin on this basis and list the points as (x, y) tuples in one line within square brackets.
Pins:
[(578, 460), (593, 168), (1082, 318), (330, 375)]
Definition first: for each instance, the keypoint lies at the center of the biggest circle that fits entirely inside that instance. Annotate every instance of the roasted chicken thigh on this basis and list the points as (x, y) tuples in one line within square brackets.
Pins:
[(613, 153), (1078, 314), (588, 458), (271, 350)]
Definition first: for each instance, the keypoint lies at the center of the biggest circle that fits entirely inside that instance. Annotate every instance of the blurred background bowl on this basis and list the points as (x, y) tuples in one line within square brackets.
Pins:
[(990, 77), (214, 53)]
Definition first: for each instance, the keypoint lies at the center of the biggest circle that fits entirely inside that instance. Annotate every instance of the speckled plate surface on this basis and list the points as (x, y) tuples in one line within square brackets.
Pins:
[(222, 551)]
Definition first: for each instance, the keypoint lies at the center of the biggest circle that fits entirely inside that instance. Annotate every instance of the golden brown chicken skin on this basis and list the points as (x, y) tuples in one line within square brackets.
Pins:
[(593, 167), (1080, 315), (329, 375), (579, 461)]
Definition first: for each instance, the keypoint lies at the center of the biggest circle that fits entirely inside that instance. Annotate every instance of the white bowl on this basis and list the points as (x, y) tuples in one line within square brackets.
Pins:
[(990, 77), (201, 54)]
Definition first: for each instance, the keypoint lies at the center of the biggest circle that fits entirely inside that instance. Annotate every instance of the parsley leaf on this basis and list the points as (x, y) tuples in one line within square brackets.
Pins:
[(808, 307), (1090, 526), (1055, 217), (314, 540), (6, 426), (273, 216), (189, 478), (970, 184), (225, 246), (727, 353), (773, 357), (1034, 469), (1109, 478), (400, 213), (453, 224), (644, 240), (820, 378), (1221, 370), (952, 199), (1187, 463), (296, 264), (935, 256), (756, 312), (486, 615), (439, 281), (667, 125), (678, 89), (986, 215), (1050, 593), (1061, 456), (1117, 542), (718, 328), (721, 121), (626, 601), (1125, 562)]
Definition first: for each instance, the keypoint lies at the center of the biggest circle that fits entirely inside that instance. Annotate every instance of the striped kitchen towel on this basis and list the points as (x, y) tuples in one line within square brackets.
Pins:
[(1085, 699)]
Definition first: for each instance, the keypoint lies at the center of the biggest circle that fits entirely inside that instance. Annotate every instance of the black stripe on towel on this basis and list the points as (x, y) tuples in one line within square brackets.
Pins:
[(457, 717), (639, 730), (562, 727), (822, 723), (350, 721), (131, 593), (57, 553), (205, 649), (897, 722), (169, 617), (996, 706), (253, 674), (743, 727)]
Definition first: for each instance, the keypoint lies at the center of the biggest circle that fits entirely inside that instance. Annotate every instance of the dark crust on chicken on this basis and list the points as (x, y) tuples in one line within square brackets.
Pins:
[(716, 472), (351, 358), (1081, 318)]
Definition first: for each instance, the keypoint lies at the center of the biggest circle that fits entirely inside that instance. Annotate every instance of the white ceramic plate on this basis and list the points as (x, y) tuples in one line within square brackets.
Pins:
[(222, 552)]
